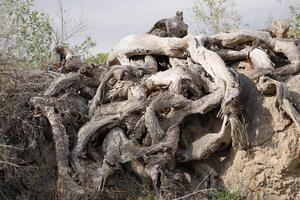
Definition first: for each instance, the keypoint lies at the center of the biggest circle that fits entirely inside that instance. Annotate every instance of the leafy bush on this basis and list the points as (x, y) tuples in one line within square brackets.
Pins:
[(83, 49), (213, 16), (295, 21), (97, 59), (28, 36)]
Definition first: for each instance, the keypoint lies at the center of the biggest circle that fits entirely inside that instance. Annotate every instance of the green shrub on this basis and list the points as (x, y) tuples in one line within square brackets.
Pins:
[(28, 37), (27, 33), (145, 194), (294, 21), (97, 59)]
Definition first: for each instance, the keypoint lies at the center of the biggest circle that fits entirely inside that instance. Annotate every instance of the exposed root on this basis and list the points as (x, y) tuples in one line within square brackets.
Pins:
[(150, 88)]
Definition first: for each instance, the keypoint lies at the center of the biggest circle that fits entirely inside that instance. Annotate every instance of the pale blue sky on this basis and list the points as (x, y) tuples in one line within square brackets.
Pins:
[(110, 20)]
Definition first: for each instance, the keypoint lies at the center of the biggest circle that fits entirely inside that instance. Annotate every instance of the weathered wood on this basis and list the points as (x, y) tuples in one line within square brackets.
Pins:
[(64, 60), (292, 52), (150, 87), (145, 44), (171, 27), (65, 184), (280, 28), (171, 79), (206, 145), (232, 55), (285, 46), (260, 60)]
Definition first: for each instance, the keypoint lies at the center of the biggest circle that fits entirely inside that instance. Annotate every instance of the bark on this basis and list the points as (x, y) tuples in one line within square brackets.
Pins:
[(144, 44), (65, 184), (285, 46)]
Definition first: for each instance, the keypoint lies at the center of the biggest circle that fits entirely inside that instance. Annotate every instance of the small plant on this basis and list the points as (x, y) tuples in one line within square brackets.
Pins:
[(97, 59), (145, 194), (294, 18), (225, 195), (214, 16)]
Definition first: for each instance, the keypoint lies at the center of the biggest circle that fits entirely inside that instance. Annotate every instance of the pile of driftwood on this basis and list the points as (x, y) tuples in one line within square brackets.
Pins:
[(161, 99)]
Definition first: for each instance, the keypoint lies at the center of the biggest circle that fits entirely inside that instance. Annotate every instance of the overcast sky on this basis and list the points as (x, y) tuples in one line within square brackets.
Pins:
[(110, 20)]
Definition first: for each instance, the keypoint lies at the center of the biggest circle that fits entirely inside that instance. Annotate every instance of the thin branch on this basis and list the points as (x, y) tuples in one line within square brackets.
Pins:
[(12, 147), (9, 163), (196, 191)]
